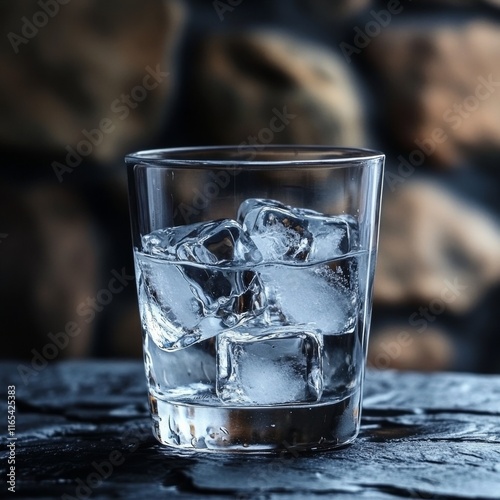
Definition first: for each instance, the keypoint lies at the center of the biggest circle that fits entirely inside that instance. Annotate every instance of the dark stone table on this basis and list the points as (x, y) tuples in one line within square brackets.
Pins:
[(83, 431)]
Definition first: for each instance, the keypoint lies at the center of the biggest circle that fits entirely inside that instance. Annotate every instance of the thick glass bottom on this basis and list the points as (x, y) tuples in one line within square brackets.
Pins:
[(265, 429)]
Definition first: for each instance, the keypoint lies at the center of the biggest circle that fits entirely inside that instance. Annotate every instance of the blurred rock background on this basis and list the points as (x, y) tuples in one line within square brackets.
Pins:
[(83, 82)]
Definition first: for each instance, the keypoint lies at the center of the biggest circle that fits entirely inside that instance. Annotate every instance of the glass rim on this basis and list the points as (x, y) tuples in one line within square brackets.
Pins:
[(249, 156)]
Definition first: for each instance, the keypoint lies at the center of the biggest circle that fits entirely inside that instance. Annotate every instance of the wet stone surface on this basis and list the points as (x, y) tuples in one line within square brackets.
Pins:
[(423, 436)]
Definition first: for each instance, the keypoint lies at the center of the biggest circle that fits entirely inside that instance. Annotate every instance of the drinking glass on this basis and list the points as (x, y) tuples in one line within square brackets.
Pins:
[(254, 270)]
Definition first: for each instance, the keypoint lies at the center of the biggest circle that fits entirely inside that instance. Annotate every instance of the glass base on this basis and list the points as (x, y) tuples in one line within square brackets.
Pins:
[(277, 429)]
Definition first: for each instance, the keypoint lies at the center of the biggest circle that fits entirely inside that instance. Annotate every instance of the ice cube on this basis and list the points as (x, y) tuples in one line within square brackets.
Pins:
[(331, 237), (254, 204), (217, 242), (322, 297), (168, 309), (192, 284), (230, 295), (283, 233), (271, 367), (278, 233)]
